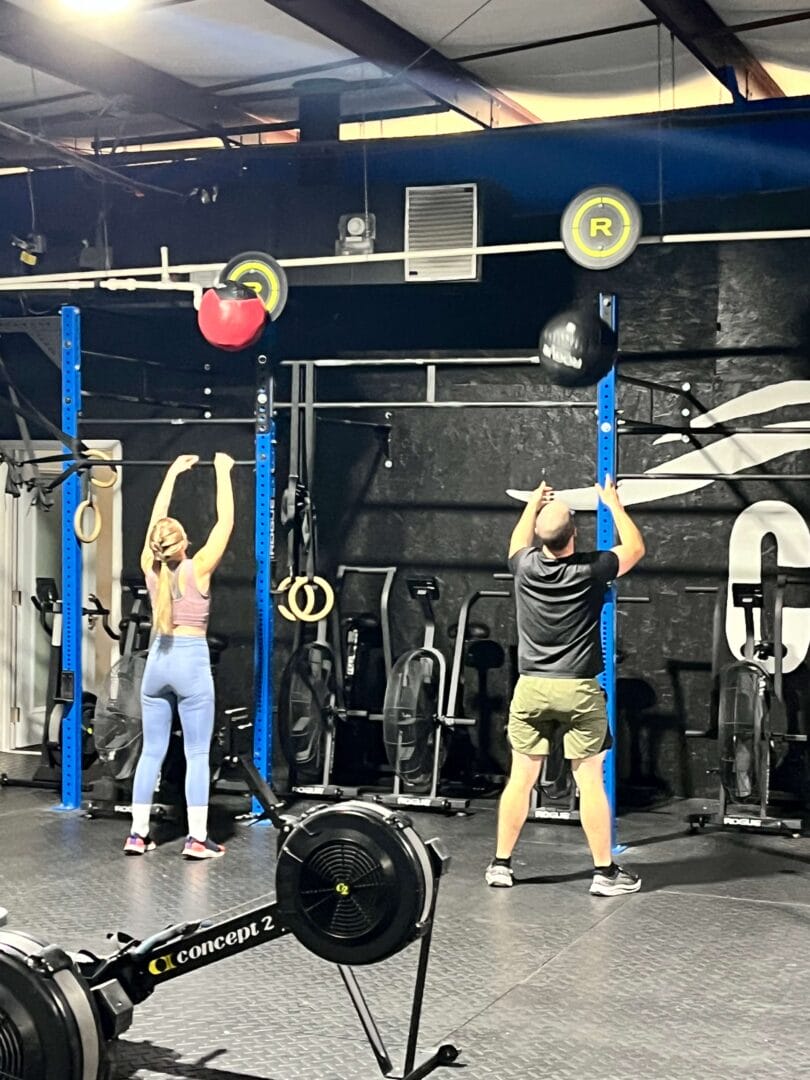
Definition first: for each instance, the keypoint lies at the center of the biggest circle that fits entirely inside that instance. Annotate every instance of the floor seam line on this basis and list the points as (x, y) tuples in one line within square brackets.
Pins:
[(572, 943), (738, 899)]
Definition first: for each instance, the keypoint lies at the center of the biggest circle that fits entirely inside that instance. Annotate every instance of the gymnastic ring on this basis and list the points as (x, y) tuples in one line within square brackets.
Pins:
[(93, 535), (309, 592), (101, 455), (328, 599)]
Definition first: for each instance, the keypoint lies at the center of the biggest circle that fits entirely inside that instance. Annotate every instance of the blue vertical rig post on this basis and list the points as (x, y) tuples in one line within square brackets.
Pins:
[(265, 513), (606, 457), (71, 675)]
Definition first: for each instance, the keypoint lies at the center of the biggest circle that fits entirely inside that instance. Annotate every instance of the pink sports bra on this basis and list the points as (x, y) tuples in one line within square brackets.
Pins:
[(190, 607)]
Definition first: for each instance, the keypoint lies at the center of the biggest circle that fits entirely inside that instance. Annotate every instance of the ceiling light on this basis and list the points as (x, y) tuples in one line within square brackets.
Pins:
[(97, 7)]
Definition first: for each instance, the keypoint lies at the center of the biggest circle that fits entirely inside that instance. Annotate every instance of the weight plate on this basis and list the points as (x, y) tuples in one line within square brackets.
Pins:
[(354, 883), (601, 227), (262, 274)]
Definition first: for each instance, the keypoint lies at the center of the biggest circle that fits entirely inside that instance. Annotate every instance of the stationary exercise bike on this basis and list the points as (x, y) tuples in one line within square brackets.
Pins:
[(355, 884), (420, 710), (331, 688), (59, 690), (752, 722)]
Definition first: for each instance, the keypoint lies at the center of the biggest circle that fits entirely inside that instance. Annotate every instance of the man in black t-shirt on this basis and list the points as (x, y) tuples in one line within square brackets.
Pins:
[(559, 594)]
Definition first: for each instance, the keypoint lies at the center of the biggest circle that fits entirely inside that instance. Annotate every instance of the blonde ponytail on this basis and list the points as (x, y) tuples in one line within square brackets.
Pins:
[(167, 541)]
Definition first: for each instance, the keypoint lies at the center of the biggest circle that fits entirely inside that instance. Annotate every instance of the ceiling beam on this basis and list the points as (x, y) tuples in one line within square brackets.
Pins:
[(772, 20), (368, 33), (564, 39), (62, 52), (711, 41)]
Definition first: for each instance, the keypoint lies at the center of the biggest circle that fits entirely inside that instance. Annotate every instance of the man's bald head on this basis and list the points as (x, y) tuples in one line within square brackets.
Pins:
[(554, 527)]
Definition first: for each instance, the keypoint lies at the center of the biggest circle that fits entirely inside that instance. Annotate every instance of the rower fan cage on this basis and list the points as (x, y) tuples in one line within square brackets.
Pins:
[(117, 724), (410, 716), (740, 719), (49, 1025), (355, 884), (54, 735), (307, 691)]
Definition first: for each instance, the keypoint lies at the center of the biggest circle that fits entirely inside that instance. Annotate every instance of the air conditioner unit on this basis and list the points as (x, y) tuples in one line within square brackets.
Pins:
[(439, 217)]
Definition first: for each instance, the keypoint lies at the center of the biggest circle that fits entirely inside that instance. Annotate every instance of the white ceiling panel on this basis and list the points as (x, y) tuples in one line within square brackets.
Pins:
[(621, 64), (505, 22), (737, 11), (783, 44), (350, 74), (787, 43), (207, 41), (18, 83), (691, 88), (83, 105)]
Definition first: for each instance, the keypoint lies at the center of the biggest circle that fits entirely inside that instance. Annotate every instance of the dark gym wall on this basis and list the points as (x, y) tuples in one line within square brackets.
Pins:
[(442, 506)]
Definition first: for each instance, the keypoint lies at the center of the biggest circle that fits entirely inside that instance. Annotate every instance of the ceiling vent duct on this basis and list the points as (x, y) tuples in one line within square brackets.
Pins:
[(441, 217)]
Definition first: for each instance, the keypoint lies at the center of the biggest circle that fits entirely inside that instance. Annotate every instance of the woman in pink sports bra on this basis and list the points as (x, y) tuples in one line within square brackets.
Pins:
[(178, 668)]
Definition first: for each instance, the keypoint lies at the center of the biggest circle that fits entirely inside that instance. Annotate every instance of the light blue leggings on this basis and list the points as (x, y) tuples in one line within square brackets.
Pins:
[(178, 670)]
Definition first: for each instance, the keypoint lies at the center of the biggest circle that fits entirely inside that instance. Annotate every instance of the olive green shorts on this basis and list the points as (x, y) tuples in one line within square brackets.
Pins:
[(574, 706)]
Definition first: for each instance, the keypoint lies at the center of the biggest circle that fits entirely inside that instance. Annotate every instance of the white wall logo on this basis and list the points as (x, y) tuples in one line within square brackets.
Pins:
[(735, 454)]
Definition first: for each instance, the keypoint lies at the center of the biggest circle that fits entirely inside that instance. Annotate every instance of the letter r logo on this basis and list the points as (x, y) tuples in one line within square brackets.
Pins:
[(602, 225)]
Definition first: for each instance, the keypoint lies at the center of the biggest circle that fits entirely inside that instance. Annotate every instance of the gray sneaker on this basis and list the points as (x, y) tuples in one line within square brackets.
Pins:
[(622, 881), (499, 876)]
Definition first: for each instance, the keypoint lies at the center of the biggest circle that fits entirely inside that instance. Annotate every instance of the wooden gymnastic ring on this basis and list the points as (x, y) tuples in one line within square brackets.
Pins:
[(93, 535), (328, 599), (309, 592), (101, 455)]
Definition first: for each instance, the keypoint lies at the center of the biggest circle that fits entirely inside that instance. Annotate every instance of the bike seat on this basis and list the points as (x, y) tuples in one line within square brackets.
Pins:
[(217, 644), (365, 621), (486, 655), (476, 631)]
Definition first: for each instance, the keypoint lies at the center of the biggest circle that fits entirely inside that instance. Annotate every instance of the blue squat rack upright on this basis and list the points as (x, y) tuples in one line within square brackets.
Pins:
[(71, 676), (72, 591), (606, 460)]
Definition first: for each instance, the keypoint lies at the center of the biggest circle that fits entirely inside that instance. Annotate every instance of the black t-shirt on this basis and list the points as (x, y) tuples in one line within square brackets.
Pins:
[(559, 603)]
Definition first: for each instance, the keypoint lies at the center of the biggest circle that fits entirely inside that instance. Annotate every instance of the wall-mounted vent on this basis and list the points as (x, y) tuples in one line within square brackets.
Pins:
[(436, 218)]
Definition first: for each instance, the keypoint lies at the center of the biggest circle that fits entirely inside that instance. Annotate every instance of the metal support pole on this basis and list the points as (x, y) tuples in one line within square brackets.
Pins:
[(71, 570), (264, 546), (606, 457)]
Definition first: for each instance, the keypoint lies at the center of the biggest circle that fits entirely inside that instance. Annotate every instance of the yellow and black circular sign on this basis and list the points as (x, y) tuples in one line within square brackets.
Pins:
[(261, 273), (601, 227)]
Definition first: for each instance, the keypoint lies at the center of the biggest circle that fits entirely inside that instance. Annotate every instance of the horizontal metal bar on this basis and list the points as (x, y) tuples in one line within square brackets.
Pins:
[(714, 476), (125, 359), (382, 427), (170, 461), (446, 405), (421, 361), (639, 427), (183, 421), (117, 463), (284, 405), (134, 399), (650, 384), (175, 421), (17, 284)]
